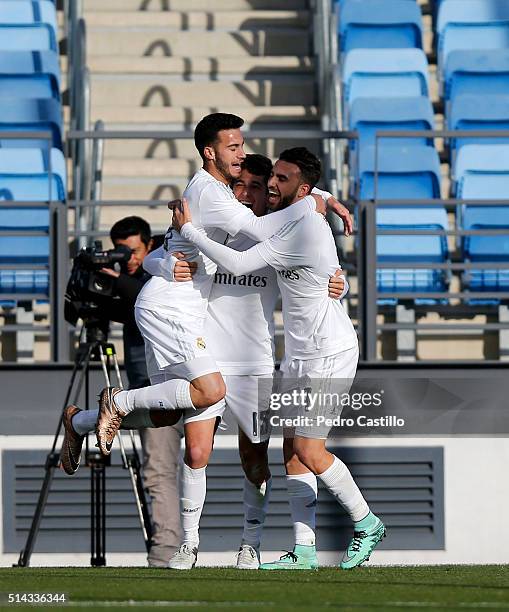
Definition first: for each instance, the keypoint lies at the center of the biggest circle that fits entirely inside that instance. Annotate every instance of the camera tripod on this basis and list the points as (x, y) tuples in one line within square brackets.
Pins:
[(95, 348)]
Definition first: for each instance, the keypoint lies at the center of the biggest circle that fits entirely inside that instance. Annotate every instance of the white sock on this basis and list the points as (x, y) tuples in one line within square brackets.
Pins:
[(256, 502), (137, 419), (302, 492), (169, 395), (193, 483), (84, 422), (341, 484)]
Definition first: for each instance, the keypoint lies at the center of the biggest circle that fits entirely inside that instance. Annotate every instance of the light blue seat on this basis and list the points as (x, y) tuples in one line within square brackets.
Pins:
[(483, 158), (25, 173), (27, 37), (24, 250), (471, 24), (16, 12), (379, 24), (478, 112), (369, 115), (404, 172), (29, 74), (476, 72), (384, 73), (483, 172), (409, 249), (33, 116)]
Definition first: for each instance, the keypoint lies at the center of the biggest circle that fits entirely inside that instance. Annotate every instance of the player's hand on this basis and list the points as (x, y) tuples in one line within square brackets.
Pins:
[(342, 212), (321, 206), (184, 270), (336, 284), (181, 215), (110, 272), (173, 203)]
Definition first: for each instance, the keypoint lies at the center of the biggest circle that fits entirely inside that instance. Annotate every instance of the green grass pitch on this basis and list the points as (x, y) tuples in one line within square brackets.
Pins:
[(366, 588)]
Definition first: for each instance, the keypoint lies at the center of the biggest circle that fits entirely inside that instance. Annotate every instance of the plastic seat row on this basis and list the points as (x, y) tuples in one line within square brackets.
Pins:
[(386, 87), (31, 170)]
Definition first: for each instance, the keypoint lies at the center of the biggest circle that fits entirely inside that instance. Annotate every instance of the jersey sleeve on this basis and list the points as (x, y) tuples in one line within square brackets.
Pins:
[(160, 263), (325, 195), (236, 262), (220, 209)]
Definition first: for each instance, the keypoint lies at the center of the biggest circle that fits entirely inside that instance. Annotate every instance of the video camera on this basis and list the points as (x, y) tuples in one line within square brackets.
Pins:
[(87, 285)]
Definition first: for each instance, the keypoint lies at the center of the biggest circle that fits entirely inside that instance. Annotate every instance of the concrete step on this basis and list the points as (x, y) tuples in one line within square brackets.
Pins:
[(158, 216), (159, 42), (134, 150), (199, 20), (188, 67), (139, 188), (151, 168), (197, 5), (159, 91), (187, 117)]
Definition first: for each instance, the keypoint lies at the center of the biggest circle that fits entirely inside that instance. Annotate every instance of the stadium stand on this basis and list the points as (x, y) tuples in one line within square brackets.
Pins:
[(32, 170), (368, 24)]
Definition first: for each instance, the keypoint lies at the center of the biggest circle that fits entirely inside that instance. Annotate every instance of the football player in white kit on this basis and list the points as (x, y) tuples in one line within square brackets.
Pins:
[(239, 332), (171, 317), (320, 347)]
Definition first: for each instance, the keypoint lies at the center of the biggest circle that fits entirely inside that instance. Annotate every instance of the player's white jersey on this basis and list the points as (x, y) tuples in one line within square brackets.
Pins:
[(216, 213), (305, 257), (304, 254), (239, 328)]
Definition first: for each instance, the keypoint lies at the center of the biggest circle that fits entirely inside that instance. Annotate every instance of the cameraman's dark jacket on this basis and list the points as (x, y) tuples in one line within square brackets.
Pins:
[(120, 308)]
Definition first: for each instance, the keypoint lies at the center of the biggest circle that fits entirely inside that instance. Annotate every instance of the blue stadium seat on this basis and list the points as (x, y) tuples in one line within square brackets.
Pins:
[(404, 172), (478, 112), (34, 116), (411, 248), (17, 12), (24, 250), (478, 159), (24, 172), (472, 24), (483, 173), (473, 72), (384, 73), (369, 115), (29, 74), (379, 24), (27, 37)]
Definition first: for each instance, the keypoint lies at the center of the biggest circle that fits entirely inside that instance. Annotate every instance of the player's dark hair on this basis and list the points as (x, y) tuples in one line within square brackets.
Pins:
[(205, 133), (308, 164), (257, 164), (131, 226)]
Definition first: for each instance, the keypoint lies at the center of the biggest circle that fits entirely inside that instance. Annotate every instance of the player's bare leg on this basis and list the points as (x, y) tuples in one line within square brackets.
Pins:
[(115, 404), (257, 487)]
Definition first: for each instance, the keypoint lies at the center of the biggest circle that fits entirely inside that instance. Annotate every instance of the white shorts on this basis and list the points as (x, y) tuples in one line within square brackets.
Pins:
[(169, 342), (248, 398), (324, 381)]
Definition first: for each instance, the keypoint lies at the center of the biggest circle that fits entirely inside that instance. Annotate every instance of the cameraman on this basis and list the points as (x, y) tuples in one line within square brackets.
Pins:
[(161, 446)]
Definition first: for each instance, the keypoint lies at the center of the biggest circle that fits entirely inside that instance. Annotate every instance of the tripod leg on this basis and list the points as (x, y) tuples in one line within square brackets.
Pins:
[(52, 461)]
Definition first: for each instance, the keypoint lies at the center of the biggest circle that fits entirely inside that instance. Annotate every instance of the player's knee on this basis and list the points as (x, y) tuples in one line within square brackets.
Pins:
[(255, 466), (306, 456), (208, 395), (197, 455)]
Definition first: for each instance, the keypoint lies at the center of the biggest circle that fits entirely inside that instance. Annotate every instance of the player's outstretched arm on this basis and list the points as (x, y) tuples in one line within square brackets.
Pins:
[(335, 206), (222, 211), (236, 262)]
